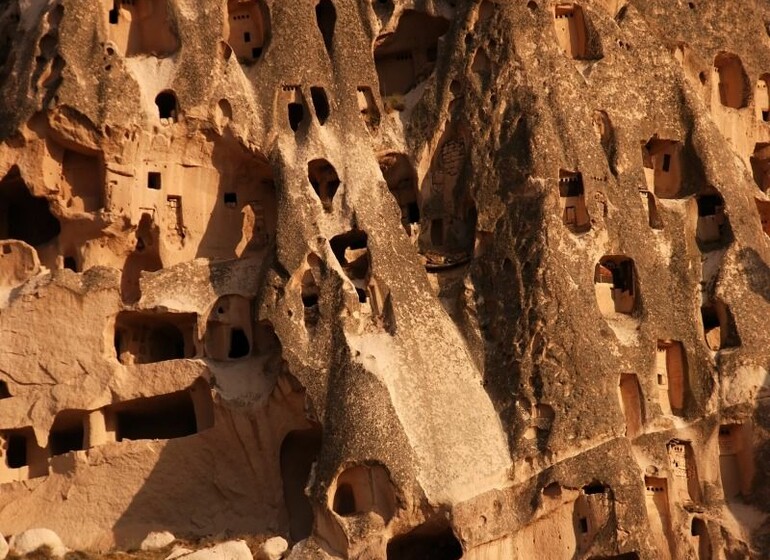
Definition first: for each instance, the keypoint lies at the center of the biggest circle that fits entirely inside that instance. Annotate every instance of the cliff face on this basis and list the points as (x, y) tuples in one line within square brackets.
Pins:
[(411, 279)]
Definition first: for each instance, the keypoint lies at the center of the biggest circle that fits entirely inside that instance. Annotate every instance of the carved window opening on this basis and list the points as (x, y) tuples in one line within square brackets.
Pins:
[(362, 489), (310, 292), (672, 375), (719, 328), (408, 55), (154, 180), (736, 461), (632, 404), (732, 80), (321, 104), (142, 27), (24, 458), (161, 417), (229, 331), (167, 106), (296, 115), (651, 206), (16, 450), (572, 202), (247, 29), (326, 18), (711, 216), (295, 106), (299, 451), (239, 344), (352, 253), (25, 217), (762, 98), (571, 31), (325, 181), (615, 282), (662, 162), (68, 432), (144, 337), (685, 483), (430, 540)]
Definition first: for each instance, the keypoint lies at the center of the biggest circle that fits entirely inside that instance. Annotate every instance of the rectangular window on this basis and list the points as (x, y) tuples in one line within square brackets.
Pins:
[(246, 37), (16, 451), (231, 199), (153, 180)]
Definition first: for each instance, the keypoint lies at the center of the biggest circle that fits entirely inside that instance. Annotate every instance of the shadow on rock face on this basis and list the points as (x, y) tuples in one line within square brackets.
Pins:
[(756, 271)]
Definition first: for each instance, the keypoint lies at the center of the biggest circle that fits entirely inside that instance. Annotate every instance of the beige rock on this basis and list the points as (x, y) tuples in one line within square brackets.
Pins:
[(32, 539), (178, 552), (231, 550), (157, 540), (4, 548), (272, 549)]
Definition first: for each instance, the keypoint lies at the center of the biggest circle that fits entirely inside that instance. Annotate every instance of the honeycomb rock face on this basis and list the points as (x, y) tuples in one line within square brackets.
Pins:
[(385, 278)]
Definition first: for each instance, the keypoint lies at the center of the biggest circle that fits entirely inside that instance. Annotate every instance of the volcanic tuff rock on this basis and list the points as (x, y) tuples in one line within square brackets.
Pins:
[(388, 278)]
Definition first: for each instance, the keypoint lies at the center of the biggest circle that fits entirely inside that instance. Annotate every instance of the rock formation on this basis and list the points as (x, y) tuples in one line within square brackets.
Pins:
[(391, 279)]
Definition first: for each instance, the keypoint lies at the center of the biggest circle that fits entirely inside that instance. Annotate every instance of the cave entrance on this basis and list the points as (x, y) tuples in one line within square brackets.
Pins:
[(733, 81), (68, 432), (299, 451), (325, 181), (161, 417), (574, 213), (409, 54), (146, 337), (25, 217), (426, 542), (247, 29), (615, 282)]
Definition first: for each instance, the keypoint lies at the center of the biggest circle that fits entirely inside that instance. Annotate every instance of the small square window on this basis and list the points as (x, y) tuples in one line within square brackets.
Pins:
[(153, 180), (231, 199)]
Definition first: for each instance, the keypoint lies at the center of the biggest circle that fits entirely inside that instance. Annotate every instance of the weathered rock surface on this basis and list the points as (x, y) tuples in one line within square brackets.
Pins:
[(231, 550), (392, 279), (178, 552)]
